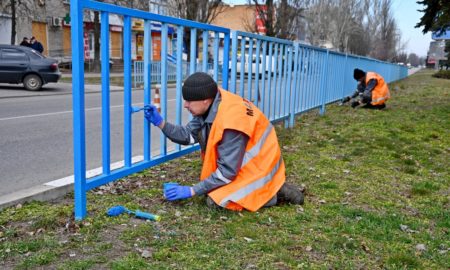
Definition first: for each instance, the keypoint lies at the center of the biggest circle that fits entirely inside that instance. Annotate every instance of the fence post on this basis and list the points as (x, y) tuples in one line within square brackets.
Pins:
[(293, 91), (234, 44), (226, 59), (323, 84), (79, 135), (345, 78)]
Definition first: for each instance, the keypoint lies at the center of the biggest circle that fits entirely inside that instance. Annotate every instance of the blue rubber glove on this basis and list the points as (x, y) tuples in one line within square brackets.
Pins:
[(177, 192), (152, 115)]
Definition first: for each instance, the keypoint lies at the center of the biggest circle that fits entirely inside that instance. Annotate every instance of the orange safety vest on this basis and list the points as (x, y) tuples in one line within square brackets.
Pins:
[(381, 91), (262, 172)]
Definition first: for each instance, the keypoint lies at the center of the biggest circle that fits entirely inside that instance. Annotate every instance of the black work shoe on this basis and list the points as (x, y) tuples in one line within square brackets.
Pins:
[(289, 193)]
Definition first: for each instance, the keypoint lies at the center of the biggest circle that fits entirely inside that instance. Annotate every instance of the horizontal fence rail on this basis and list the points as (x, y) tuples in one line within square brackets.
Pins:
[(281, 77)]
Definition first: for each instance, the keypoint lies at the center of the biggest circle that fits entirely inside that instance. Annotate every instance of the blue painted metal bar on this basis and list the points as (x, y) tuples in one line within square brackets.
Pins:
[(193, 52), (241, 86), (100, 6), (226, 60), (263, 76), (205, 54), (325, 72), (249, 70), (79, 132), (273, 88), (278, 89), (179, 104), (269, 81), (234, 46), (119, 173), (288, 93), (216, 56), (286, 63), (127, 90), (294, 89), (147, 85), (106, 143), (163, 92), (257, 55)]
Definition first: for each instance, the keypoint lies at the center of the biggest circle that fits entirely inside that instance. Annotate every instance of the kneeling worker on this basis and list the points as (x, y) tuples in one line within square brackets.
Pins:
[(242, 163), (372, 90)]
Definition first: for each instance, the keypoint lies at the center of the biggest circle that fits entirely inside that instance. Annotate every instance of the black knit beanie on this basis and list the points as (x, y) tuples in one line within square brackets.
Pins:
[(199, 86), (358, 74)]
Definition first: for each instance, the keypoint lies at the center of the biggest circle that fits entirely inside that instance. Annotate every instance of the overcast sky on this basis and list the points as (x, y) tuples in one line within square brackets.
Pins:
[(407, 16)]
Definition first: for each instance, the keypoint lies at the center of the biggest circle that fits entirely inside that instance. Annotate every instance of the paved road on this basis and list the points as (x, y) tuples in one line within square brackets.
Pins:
[(36, 133)]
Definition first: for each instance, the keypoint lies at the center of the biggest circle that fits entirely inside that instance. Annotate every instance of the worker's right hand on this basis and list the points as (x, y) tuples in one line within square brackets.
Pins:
[(152, 115)]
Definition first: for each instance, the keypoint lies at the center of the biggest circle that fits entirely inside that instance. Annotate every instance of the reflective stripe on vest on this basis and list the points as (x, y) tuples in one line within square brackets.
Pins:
[(241, 193), (257, 147)]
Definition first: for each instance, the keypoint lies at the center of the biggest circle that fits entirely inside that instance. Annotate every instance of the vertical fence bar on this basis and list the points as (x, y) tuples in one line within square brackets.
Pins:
[(273, 87), (269, 81), (79, 135), (193, 52), (234, 45), (127, 90), (263, 76), (345, 77), (226, 60), (257, 55), (278, 89), (241, 86), (105, 92), (147, 84), (284, 81), (180, 31), (294, 89), (323, 83), (249, 70), (164, 30), (290, 94), (205, 51), (216, 56)]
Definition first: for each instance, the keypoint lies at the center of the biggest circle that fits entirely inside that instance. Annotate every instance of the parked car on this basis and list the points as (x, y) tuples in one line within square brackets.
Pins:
[(19, 64)]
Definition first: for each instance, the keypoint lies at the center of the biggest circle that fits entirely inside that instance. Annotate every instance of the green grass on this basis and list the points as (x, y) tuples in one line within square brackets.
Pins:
[(368, 175)]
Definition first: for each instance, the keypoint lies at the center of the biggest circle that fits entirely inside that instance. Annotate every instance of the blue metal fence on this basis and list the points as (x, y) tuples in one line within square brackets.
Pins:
[(283, 78)]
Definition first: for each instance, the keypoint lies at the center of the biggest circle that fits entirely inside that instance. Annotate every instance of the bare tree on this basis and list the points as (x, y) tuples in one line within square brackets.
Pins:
[(204, 11), (17, 8), (413, 59)]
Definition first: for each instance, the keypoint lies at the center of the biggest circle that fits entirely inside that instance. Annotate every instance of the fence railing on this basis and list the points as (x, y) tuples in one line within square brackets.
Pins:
[(283, 78)]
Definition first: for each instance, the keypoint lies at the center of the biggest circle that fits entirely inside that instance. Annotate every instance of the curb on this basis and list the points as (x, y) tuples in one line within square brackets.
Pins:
[(36, 193)]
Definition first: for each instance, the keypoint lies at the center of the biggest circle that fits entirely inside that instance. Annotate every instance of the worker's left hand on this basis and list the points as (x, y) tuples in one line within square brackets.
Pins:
[(177, 192)]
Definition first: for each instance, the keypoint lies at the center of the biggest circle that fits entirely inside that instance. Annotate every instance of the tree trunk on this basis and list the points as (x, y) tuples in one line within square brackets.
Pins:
[(97, 42), (13, 22)]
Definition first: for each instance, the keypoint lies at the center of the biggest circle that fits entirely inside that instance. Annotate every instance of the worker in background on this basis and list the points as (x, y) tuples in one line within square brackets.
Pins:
[(372, 91), (242, 163)]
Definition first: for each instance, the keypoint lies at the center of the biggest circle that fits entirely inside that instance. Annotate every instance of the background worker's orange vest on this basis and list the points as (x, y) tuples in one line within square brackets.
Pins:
[(381, 91), (262, 173)]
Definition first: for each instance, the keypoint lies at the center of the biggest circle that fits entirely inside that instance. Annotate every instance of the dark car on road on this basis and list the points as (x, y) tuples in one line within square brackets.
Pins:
[(19, 64)]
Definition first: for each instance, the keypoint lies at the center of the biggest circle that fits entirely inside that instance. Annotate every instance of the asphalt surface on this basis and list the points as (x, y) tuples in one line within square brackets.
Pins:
[(36, 135)]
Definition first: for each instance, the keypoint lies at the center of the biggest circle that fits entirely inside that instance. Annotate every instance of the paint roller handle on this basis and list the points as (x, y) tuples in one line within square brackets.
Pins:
[(146, 215)]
